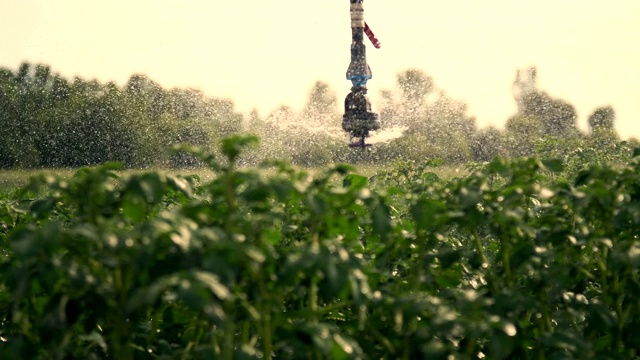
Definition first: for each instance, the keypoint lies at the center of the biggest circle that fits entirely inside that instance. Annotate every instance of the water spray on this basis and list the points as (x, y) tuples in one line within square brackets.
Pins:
[(358, 120)]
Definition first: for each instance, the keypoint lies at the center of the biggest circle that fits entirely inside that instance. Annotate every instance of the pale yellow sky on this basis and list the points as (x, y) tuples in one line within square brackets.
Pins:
[(266, 53)]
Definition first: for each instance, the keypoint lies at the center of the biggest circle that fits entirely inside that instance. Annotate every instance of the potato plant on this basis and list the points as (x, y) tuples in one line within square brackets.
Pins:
[(510, 261)]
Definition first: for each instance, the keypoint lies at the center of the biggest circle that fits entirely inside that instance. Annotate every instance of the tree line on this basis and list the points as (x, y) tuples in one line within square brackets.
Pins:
[(440, 126), (49, 121)]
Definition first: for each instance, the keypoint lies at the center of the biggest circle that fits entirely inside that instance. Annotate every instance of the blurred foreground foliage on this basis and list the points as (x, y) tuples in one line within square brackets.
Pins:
[(518, 259)]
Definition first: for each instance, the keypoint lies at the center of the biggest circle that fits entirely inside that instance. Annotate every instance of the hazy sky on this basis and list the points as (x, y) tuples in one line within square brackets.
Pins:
[(265, 53)]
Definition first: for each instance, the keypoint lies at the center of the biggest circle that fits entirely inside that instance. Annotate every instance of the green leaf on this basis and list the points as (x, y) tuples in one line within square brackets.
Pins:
[(343, 169), (449, 278), (213, 283), (41, 208), (347, 348), (425, 212), (133, 209), (152, 187), (150, 294), (94, 338), (257, 194), (25, 243), (382, 220), (522, 254), (583, 177), (232, 146), (448, 258), (355, 182), (501, 345), (553, 165)]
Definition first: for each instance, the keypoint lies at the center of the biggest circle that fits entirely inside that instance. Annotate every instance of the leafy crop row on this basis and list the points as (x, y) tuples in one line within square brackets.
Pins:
[(503, 263)]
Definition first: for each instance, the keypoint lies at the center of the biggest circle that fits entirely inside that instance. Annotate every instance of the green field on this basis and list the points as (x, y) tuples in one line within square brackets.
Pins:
[(515, 259), (15, 178)]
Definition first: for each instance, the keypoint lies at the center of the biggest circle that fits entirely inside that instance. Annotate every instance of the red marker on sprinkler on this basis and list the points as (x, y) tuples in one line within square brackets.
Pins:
[(371, 36)]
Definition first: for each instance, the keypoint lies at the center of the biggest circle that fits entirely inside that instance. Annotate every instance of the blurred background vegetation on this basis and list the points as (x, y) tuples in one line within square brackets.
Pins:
[(47, 121)]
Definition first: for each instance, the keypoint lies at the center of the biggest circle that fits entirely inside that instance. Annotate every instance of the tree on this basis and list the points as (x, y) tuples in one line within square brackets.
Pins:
[(603, 136), (487, 144), (321, 108), (557, 117), (32, 99), (255, 124), (9, 117), (524, 85), (225, 120), (602, 118), (451, 116), (414, 85), (46, 120), (522, 132), (436, 125)]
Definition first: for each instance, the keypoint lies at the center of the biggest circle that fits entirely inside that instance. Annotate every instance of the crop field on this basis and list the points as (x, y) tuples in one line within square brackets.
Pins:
[(16, 178), (512, 259)]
